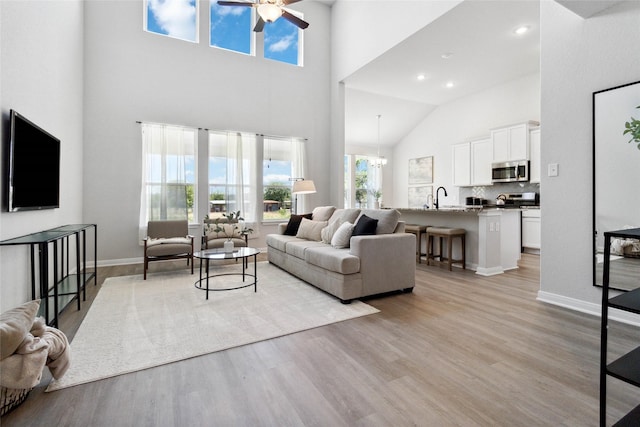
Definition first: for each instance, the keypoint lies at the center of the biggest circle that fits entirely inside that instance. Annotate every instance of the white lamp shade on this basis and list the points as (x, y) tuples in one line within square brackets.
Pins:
[(269, 12), (303, 187)]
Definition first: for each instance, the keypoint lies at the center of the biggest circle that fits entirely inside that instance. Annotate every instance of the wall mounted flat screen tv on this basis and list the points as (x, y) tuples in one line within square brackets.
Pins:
[(33, 166)]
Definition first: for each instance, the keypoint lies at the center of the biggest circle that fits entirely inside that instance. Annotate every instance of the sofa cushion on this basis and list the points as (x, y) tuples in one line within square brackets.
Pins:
[(365, 226), (279, 241), (310, 230), (387, 219), (332, 259), (294, 224), (298, 247), (322, 213), (345, 215), (342, 236), (15, 324), (326, 234)]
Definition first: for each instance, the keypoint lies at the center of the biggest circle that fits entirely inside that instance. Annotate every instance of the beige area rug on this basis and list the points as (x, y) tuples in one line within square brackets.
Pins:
[(135, 324)]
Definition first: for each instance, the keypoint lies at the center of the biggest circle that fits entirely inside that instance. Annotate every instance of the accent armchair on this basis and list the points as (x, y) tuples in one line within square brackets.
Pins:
[(167, 240), (213, 240)]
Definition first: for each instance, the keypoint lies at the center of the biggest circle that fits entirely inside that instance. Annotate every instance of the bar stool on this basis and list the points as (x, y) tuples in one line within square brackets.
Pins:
[(418, 230), (449, 234)]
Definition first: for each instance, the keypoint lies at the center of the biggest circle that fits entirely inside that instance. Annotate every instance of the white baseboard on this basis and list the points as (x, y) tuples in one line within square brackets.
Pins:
[(588, 308), (492, 271)]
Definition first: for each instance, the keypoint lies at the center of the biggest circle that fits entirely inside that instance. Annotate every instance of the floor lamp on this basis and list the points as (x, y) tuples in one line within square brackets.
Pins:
[(302, 186)]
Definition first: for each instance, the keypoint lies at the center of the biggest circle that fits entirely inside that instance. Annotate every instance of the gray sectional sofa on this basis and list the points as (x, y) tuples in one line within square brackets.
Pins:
[(369, 264)]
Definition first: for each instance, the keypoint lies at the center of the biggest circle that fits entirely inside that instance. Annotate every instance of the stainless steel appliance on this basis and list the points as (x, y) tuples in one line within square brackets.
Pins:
[(510, 171)]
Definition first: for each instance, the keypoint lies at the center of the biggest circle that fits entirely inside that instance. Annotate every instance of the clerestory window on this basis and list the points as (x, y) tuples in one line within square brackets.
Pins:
[(283, 41), (230, 27), (172, 18)]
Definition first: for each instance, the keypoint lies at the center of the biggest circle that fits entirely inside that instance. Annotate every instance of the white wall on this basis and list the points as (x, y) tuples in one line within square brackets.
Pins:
[(578, 57), (41, 77), (133, 75), (361, 31), (459, 121)]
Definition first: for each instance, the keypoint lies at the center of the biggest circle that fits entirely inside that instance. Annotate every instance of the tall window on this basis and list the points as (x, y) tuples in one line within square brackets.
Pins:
[(277, 171), (173, 18), (282, 42), (168, 173), (363, 182), (230, 28), (232, 174)]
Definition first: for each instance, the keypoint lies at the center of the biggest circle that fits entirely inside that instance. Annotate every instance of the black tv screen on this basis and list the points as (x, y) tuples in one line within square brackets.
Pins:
[(34, 166)]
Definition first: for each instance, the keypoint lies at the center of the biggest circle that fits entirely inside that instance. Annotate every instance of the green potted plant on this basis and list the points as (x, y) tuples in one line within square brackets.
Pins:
[(632, 128), (377, 197), (238, 228)]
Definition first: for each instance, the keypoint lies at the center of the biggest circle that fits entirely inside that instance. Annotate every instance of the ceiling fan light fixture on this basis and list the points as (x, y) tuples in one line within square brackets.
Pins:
[(269, 12)]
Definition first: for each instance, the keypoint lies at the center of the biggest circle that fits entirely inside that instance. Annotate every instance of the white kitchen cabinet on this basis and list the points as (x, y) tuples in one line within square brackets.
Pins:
[(531, 229), (481, 159), (534, 155), (472, 163), (462, 164), (511, 142)]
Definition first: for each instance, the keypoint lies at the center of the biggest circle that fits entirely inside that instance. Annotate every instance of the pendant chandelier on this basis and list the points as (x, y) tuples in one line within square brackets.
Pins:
[(380, 160)]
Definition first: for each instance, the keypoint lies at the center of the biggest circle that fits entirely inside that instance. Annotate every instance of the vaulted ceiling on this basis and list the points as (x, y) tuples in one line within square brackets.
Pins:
[(473, 46)]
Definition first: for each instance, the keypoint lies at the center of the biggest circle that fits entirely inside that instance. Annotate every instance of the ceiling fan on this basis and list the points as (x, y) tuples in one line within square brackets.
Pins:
[(269, 11)]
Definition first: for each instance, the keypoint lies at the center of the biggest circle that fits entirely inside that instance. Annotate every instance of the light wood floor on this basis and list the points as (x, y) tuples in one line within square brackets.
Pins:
[(461, 350)]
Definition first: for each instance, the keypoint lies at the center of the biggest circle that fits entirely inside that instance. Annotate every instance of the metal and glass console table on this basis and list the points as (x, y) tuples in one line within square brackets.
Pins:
[(55, 285)]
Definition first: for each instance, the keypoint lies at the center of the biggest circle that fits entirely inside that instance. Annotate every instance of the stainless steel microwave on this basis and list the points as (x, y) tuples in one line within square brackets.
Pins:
[(510, 171)]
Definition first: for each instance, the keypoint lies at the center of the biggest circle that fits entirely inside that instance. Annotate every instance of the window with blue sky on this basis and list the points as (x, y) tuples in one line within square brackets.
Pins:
[(173, 18), (231, 28), (282, 41)]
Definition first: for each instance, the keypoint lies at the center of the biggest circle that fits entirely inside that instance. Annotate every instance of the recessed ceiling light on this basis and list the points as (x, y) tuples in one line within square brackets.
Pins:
[(449, 85), (446, 55), (421, 77), (521, 30)]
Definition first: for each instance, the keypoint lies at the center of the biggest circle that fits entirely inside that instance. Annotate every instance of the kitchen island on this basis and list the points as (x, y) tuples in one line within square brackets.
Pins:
[(492, 235)]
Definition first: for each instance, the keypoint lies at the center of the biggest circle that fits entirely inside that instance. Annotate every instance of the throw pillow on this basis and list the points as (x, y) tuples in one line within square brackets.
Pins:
[(387, 219), (294, 224), (342, 236), (323, 213), (14, 326), (365, 226), (326, 234), (310, 230)]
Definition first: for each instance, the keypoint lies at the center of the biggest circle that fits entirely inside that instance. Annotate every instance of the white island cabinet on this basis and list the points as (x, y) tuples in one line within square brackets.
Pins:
[(492, 235)]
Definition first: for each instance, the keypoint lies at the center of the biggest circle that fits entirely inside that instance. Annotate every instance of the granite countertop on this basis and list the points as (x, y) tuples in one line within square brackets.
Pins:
[(465, 209)]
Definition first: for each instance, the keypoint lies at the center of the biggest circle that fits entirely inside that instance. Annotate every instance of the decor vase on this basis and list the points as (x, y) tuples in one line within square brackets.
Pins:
[(228, 246)]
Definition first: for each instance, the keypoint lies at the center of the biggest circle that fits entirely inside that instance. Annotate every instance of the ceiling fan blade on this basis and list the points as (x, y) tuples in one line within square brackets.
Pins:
[(259, 25), (294, 19), (288, 2), (235, 3)]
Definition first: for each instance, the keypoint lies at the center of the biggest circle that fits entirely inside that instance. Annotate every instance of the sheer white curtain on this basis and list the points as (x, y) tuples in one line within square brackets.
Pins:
[(168, 173), (242, 185), (299, 169)]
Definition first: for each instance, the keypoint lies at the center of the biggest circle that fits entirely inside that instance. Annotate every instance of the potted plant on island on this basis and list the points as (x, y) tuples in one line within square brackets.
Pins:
[(377, 198)]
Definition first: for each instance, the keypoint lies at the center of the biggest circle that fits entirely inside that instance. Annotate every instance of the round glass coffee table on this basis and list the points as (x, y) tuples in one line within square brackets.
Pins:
[(219, 254)]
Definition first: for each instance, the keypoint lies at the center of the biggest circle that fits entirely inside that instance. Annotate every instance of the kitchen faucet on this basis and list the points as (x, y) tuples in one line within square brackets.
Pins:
[(437, 196)]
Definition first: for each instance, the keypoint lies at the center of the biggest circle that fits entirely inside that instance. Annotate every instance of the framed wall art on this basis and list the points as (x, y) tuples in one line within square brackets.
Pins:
[(421, 171)]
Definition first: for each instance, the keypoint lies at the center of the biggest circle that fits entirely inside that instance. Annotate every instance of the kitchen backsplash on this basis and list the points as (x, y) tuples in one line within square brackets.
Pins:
[(490, 192)]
